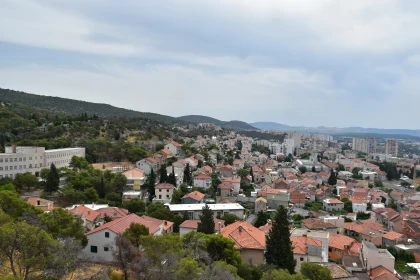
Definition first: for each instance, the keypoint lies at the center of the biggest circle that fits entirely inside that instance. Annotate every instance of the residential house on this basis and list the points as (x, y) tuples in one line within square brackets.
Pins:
[(194, 197), (393, 238), (317, 224), (341, 245), (275, 197), (281, 184), (249, 240), (373, 257), (191, 225), (90, 218), (260, 205), (258, 174), (101, 239), (131, 195), (147, 164), (112, 212), (236, 183), (367, 230), (163, 193), (226, 171), (174, 148), (135, 178), (202, 181), (322, 236), (192, 162), (332, 204), (412, 230), (306, 249), (41, 203), (225, 189), (298, 198)]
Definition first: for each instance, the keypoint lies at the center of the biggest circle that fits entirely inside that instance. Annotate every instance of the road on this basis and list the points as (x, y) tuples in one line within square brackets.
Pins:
[(393, 185)]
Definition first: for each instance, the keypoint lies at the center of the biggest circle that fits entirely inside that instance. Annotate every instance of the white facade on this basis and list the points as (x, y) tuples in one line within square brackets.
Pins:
[(174, 149), (21, 159), (359, 207), (322, 236), (202, 183), (368, 175), (100, 246), (374, 257)]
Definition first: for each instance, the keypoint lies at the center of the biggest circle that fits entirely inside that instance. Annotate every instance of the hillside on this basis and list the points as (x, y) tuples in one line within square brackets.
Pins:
[(356, 131), (76, 107), (238, 125)]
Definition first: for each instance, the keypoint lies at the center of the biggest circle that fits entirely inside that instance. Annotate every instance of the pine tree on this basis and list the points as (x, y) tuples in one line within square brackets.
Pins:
[(187, 174), (53, 180), (206, 224), (172, 177), (163, 177), (332, 180), (101, 188), (279, 247)]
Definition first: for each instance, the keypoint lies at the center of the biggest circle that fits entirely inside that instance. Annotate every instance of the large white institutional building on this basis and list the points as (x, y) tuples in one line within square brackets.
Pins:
[(21, 159)]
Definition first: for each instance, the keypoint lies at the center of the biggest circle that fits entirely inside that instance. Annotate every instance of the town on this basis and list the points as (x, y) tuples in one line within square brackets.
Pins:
[(221, 204)]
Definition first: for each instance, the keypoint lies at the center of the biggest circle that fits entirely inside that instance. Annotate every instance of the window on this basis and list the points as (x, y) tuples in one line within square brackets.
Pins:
[(167, 190), (329, 249), (94, 249), (160, 196), (301, 259), (6, 160), (167, 196), (106, 249), (107, 234)]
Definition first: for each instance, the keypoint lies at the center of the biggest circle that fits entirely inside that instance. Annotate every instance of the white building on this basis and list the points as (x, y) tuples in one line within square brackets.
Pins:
[(194, 210), (373, 257), (174, 147), (391, 147), (359, 207), (364, 145), (368, 175), (331, 204), (22, 159)]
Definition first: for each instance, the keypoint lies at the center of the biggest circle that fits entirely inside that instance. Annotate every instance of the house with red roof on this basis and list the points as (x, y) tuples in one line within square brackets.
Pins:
[(90, 217), (393, 238), (235, 182), (192, 225), (135, 178), (113, 212), (174, 148), (44, 204), (306, 249), (249, 240), (202, 181), (163, 193), (101, 239), (341, 245), (194, 197)]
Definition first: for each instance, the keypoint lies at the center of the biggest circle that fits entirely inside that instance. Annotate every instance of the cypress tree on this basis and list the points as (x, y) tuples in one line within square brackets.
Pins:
[(151, 180), (163, 178), (261, 219), (206, 224), (279, 247), (252, 174), (187, 174), (172, 177), (313, 169), (53, 180), (332, 180)]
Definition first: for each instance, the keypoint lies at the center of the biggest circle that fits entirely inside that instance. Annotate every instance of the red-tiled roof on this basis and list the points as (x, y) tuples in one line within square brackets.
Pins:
[(300, 243), (381, 273), (194, 224), (81, 210), (392, 235), (231, 180), (196, 195), (164, 186), (202, 177), (340, 242), (317, 224), (135, 172), (113, 212), (225, 186), (176, 144), (42, 202), (120, 225), (245, 235)]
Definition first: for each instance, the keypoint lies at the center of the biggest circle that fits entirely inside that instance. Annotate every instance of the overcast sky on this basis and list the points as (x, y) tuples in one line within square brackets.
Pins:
[(312, 63)]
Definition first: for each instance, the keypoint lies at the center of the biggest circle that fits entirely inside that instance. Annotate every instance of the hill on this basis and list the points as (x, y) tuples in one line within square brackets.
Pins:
[(77, 107), (238, 125), (356, 131)]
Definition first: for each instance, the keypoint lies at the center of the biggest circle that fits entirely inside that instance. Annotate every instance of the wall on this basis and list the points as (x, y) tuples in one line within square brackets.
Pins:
[(252, 256), (98, 239)]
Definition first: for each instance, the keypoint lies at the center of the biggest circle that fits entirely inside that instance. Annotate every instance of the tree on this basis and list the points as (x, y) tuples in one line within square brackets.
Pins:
[(187, 175), (188, 268), (302, 169), (119, 182), (163, 178), (313, 169), (230, 219), (25, 180), (281, 274), (221, 248), (172, 178), (262, 219), (251, 172), (134, 205), (206, 224), (125, 254), (78, 163), (27, 249), (14, 206), (242, 173), (332, 180), (278, 245), (315, 271), (62, 224), (150, 184), (135, 232), (348, 205), (91, 195), (215, 181), (52, 180), (43, 174)]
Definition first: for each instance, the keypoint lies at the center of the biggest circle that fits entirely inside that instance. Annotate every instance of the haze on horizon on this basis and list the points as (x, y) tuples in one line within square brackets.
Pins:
[(310, 63)]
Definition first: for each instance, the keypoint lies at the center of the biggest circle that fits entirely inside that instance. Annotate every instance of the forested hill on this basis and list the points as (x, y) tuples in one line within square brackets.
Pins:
[(237, 125), (76, 107)]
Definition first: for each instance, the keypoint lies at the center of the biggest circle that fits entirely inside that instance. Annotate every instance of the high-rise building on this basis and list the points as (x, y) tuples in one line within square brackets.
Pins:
[(391, 147), (364, 145)]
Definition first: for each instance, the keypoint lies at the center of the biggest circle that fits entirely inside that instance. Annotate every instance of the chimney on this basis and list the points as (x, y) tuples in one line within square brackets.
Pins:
[(240, 226), (166, 223)]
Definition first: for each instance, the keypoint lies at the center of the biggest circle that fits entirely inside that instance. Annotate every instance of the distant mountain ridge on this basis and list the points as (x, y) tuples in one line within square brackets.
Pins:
[(335, 130), (237, 125), (77, 107)]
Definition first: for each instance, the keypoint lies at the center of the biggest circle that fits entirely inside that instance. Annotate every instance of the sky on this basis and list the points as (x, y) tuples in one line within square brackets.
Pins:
[(301, 62)]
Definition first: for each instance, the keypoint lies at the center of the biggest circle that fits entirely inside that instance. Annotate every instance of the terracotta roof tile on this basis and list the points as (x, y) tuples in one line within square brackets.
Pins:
[(392, 235), (300, 243), (120, 225), (81, 210), (196, 195), (194, 224), (245, 235), (340, 242), (317, 224), (164, 186), (113, 212)]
